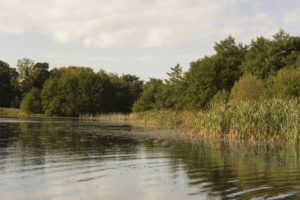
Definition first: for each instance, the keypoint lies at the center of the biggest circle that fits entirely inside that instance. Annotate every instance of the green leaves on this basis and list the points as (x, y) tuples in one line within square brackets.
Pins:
[(32, 102), (9, 92), (266, 57), (75, 91)]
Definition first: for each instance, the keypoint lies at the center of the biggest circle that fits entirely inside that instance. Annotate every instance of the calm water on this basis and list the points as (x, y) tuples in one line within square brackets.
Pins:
[(69, 160)]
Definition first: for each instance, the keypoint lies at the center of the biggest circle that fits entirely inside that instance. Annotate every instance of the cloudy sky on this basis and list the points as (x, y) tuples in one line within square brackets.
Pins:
[(143, 37)]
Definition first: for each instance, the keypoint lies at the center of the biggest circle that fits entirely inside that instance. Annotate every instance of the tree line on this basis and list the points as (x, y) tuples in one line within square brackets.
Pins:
[(66, 91), (267, 68)]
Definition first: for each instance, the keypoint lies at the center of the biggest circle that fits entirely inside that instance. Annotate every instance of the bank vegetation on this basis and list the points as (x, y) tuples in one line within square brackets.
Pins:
[(240, 91)]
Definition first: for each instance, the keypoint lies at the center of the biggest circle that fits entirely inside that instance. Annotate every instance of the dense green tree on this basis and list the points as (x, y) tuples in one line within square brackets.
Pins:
[(175, 76), (40, 74), (32, 102), (268, 67), (9, 87), (135, 88), (5, 84), (126, 90), (265, 57), (171, 90), (213, 73), (25, 68), (148, 98), (201, 83), (228, 59), (78, 90), (61, 96), (66, 95), (96, 91), (32, 74), (15, 91)]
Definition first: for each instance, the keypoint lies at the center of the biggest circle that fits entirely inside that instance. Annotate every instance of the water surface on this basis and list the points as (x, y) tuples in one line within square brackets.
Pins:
[(69, 159)]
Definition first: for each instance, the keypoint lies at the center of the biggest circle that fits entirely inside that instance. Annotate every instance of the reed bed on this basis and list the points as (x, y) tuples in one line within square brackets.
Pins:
[(260, 120), (264, 120), (11, 112)]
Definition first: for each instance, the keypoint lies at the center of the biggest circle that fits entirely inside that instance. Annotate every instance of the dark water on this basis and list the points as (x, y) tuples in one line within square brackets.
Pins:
[(71, 160)]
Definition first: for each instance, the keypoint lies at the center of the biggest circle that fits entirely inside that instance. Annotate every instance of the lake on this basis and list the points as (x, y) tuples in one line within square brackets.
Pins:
[(68, 159)]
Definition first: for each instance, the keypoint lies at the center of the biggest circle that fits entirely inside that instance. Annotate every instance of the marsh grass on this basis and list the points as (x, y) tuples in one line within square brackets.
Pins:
[(259, 120), (11, 112), (265, 120)]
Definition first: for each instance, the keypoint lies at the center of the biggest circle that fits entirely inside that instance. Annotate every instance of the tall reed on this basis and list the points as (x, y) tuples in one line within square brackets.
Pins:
[(270, 119), (265, 119)]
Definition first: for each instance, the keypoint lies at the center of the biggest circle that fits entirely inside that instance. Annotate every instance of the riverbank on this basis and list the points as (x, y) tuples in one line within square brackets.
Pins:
[(11, 112), (266, 120), (15, 112)]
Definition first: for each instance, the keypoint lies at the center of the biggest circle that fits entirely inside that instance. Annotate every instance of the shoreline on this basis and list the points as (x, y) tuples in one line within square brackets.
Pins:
[(266, 121), (269, 121), (185, 134), (12, 112)]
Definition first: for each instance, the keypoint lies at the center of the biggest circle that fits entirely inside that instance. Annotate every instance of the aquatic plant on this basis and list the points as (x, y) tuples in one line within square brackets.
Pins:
[(271, 119)]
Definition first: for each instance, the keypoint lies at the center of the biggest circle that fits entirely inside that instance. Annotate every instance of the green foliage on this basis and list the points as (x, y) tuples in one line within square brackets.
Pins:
[(286, 83), (32, 102), (148, 98), (69, 94), (200, 81), (15, 91), (211, 74), (265, 120), (4, 84), (248, 88), (125, 90), (170, 94), (260, 120), (32, 74), (266, 68), (75, 91), (228, 60), (40, 74), (265, 57), (9, 91)]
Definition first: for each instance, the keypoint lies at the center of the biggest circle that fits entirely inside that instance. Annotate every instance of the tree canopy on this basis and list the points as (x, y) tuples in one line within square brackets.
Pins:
[(266, 68)]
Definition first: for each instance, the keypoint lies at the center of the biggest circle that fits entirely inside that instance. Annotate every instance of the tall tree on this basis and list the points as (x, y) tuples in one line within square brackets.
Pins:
[(213, 73), (201, 83), (5, 84), (228, 60), (40, 74), (171, 91), (32, 74), (266, 57), (148, 98)]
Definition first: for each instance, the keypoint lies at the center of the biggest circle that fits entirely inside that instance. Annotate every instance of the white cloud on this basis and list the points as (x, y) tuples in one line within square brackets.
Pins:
[(141, 23)]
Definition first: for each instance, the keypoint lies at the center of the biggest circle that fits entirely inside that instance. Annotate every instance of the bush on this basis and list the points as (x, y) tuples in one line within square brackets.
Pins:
[(32, 102), (286, 83), (148, 98), (248, 88)]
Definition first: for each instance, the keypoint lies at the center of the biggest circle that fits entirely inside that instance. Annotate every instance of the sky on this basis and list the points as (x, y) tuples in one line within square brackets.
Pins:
[(141, 37)]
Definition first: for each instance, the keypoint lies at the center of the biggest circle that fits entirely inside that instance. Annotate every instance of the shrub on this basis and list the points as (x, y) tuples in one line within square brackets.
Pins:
[(248, 88), (32, 102), (286, 83)]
